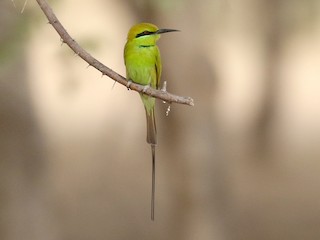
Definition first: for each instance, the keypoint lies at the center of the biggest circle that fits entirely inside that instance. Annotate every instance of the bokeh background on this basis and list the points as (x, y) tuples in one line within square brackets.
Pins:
[(242, 164)]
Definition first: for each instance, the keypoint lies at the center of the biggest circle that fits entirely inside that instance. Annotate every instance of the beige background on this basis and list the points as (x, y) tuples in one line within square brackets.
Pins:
[(242, 164)]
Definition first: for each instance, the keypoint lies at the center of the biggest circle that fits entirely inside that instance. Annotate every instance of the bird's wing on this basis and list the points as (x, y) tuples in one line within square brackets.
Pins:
[(158, 67)]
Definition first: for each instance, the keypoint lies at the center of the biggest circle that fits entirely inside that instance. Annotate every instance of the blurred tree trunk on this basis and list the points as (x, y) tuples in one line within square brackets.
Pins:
[(23, 214)]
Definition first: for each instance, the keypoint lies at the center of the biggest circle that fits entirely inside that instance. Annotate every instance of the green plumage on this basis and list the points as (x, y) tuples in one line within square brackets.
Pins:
[(143, 66)]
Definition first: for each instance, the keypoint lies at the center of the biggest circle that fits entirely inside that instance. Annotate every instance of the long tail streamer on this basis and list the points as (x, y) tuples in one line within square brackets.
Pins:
[(153, 187)]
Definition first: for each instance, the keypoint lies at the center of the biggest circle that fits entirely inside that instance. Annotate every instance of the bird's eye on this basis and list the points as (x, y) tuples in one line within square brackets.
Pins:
[(146, 32)]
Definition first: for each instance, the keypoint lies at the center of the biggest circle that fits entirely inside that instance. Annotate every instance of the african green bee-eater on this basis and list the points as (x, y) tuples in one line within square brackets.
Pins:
[(143, 66)]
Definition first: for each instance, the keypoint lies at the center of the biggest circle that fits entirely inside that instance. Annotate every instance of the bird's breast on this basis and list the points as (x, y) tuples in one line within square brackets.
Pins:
[(140, 65)]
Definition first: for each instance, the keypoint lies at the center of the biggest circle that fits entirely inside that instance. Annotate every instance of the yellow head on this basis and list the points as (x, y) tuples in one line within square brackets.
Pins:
[(146, 33)]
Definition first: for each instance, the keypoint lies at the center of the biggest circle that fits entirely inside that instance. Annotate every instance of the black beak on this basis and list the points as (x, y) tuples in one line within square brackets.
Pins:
[(160, 31)]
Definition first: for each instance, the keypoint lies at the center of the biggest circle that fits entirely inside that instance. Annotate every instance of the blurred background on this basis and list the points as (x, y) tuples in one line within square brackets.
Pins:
[(242, 164)]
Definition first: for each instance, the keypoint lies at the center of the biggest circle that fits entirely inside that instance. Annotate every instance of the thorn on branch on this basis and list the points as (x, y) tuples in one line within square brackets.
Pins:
[(52, 22), (62, 41), (114, 83), (164, 88)]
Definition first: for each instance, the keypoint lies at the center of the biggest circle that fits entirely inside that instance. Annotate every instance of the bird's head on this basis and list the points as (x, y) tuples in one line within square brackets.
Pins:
[(146, 33)]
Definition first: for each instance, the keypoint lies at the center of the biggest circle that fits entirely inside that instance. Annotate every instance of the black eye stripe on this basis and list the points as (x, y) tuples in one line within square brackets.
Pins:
[(144, 33)]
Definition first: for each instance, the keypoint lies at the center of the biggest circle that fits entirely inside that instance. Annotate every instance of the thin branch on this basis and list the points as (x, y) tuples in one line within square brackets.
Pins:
[(66, 38)]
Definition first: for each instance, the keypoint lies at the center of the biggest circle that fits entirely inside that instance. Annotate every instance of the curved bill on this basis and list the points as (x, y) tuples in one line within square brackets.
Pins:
[(160, 31)]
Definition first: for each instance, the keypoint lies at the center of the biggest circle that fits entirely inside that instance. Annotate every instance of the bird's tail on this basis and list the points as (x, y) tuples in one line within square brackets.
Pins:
[(151, 127), (153, 185), (152, 140)]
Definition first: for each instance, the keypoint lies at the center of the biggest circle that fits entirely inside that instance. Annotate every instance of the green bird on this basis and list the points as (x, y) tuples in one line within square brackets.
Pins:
[(143, 66)]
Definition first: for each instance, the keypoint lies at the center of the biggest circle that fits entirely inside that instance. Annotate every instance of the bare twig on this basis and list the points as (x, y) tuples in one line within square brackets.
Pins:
[(13, 3), (24, 6), (66, 38)]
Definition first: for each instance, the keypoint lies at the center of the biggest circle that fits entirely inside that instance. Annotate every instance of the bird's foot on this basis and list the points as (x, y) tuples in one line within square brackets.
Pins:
[(128, 84), (145, 88)]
